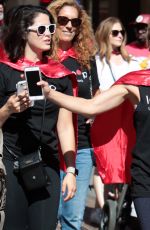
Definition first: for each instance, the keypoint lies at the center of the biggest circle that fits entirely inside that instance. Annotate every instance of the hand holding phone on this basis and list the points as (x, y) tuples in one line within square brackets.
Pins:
[(32, 76), (21, 86)]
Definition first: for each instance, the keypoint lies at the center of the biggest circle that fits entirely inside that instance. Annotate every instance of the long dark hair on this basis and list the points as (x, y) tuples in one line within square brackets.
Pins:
[(19, 20)]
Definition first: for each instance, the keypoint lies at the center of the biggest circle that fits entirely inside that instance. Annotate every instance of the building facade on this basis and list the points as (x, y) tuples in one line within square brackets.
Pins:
[(125, 10), (100, 9)]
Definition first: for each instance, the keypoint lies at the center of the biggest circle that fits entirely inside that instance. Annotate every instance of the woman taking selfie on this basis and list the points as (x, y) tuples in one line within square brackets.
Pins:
[(31, 128)]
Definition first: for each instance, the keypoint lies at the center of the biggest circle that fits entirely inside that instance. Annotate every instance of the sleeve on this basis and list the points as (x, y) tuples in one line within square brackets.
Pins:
[(8, 79), (69, 90), (94, 76), (66, 85)]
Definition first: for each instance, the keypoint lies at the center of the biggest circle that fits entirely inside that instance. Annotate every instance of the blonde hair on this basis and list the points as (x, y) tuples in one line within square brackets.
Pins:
[(102, 38), (84, 42)]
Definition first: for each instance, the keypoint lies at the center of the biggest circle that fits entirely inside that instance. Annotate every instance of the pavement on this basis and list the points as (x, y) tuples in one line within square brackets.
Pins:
[(90, 205)]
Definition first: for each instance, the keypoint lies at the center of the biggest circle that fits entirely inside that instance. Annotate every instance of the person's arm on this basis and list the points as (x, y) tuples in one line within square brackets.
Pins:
[(101, 103), (66, 136)]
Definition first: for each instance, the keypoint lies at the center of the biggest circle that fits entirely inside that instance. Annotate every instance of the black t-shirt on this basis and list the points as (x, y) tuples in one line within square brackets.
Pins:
[(140, 169), (87, 83), (22, 130)]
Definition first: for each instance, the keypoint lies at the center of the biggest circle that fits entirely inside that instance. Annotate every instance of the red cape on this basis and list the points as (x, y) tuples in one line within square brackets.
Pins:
[(50, 69), (113, 135), (65, 54)]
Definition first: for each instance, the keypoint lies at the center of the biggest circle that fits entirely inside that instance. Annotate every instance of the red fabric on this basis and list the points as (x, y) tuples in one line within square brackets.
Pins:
[(65, 54), (45, 1), (2, 52), (48, 67), (113, 135)]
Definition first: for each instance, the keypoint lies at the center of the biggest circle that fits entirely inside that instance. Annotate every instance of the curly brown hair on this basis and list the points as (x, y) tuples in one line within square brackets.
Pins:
[(102, 38), (84, 42)]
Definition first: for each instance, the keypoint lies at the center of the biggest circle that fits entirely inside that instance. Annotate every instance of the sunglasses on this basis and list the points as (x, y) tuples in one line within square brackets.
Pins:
[(63, 21), (40, 30), (116, 32)]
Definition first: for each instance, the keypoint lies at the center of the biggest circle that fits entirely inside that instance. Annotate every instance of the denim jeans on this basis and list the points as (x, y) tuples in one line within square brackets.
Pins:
[(71, 212), (142, 207)]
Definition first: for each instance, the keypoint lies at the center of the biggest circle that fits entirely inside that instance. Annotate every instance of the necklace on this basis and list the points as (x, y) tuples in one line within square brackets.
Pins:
[(116, 52)]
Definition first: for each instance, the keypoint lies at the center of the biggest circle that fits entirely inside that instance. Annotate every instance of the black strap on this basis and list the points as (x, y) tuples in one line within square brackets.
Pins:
[(108, 63), (15, 157), (42, 122)]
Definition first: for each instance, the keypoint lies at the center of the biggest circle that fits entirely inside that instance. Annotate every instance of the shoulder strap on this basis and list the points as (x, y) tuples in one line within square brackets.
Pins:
[(15, 157), (98, 63), (108, 63)]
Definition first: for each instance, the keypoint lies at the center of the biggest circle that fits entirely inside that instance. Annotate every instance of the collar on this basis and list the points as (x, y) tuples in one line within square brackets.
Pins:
[(67, 53), (116, 52)]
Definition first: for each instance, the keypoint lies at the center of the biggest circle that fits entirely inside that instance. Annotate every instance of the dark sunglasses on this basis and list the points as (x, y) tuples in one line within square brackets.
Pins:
[(116, 32), (40, 30), (63, 21)]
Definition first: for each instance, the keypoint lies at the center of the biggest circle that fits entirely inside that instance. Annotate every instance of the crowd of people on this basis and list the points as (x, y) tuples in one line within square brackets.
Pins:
[(88, 81), (113, 61), (22, 123), (77, 54)]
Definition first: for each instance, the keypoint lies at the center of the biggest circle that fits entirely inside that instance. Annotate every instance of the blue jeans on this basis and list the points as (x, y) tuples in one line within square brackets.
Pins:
[(142, 207), (71, 212)]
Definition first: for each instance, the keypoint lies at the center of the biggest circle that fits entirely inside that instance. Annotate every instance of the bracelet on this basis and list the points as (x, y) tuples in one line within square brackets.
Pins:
[(72, 170)]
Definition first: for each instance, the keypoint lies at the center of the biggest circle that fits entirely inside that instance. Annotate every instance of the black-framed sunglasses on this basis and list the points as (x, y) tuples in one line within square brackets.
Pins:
[(116, 32), (40, 30), (63, 21)]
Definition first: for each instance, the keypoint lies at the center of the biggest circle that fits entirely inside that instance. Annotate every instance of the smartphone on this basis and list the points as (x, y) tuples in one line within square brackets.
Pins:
[(22, 86), (32, 76)]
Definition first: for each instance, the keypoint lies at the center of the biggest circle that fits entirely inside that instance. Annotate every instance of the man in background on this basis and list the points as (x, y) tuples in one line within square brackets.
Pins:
[(138, 48)]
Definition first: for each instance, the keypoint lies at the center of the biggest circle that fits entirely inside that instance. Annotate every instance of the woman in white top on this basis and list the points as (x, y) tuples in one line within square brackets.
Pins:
[(113, 61)]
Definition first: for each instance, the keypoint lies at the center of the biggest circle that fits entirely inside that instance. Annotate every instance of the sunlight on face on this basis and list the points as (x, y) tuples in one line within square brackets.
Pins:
[(116, 41), (67, 32), (36, 43)]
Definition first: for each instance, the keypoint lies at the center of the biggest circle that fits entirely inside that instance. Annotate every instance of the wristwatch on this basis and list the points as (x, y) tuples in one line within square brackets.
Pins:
[(72, 170)]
